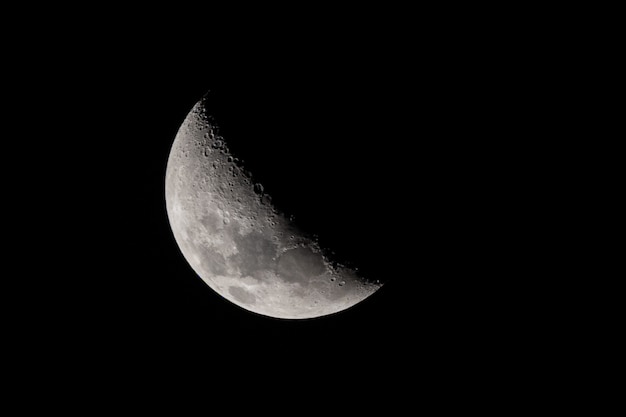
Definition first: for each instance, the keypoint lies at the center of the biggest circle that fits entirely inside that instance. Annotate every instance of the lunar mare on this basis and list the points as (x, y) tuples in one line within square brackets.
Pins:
[(235, 239)]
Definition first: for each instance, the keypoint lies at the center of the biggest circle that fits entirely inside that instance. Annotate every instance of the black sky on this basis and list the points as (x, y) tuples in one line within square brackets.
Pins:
[(375, 162), (394, 152)]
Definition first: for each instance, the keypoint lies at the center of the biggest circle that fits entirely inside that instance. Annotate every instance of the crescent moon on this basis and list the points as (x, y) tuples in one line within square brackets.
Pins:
[(239, 244)]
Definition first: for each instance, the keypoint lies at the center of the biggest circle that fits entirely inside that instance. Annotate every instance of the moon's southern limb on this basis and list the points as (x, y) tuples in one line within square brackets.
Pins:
[(234, 238)]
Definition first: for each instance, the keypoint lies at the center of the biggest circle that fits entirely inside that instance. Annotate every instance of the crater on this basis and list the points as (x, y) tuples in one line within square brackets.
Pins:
[(346, 284), (336, 292)]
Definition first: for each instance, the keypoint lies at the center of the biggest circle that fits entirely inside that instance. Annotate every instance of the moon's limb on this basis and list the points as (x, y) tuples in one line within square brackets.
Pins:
[(237, 242)]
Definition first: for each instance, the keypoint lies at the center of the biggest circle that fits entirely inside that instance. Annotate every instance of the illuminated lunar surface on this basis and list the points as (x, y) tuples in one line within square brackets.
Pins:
[(236, 240)]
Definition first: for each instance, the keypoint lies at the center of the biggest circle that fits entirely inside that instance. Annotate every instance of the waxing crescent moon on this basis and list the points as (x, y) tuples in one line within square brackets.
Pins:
[(236, 240)]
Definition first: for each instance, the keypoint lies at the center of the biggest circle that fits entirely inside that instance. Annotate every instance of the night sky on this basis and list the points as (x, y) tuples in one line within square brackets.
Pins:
[(387, 154)]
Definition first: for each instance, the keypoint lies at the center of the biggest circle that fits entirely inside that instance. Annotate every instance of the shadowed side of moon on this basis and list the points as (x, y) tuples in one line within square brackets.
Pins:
[(238, 243)]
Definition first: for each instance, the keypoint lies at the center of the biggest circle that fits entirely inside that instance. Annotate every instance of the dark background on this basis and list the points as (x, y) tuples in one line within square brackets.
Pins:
[(382, 160), (327, 149), (401, 150)]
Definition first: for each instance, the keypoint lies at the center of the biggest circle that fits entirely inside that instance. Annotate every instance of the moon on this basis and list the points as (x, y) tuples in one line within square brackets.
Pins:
[(238, 242)]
